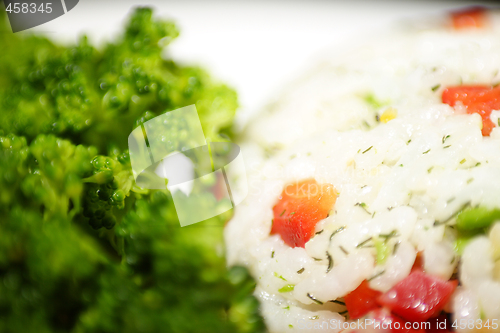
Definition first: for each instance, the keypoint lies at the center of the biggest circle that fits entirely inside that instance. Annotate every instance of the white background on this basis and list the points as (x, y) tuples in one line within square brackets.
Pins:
[(255, 46)]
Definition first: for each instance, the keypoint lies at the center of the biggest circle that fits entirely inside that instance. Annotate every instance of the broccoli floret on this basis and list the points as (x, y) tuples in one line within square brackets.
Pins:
[(66, 113), (81, 93)]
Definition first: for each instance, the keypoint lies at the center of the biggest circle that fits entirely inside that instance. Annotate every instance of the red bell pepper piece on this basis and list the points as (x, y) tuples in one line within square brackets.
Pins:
[(477, 99), (299, 208), (418, 297)]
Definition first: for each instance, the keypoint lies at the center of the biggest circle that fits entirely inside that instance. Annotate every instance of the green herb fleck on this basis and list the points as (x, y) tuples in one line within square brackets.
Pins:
[(287, 288), (363, 205), (337, 231), (374, 102), (477, 218), (367, 149), (363, 242), (376, 275), (436, 87), (388, 236), (464, 206), (396, 246), (314, 299), (330, 262), (382, 251)]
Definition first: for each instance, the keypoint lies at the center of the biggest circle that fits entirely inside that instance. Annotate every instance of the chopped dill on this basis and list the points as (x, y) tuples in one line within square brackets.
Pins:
[(388, 236), (436, 87), (314, 299), (376, 275), (330, 262), (367, 149), (300, 271), (337, 231), (363, 205), (363, 242), (396, 246), (438, 223), (425, 152)]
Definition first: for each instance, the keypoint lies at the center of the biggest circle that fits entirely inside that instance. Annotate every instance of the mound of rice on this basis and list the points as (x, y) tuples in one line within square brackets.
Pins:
[(403, 163)]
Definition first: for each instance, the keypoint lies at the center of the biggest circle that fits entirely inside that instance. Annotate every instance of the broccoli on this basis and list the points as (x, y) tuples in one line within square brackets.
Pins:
[(82, 248)]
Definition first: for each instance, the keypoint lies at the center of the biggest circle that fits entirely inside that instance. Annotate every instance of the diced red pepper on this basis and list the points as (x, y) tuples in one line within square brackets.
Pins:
[(474, 17), (419, 296), (477, 99), (299, 208), (361, 300)]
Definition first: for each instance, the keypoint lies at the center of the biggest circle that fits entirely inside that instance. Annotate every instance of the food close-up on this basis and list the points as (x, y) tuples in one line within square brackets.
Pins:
[(82, 247), (375, 198), (368, 195)]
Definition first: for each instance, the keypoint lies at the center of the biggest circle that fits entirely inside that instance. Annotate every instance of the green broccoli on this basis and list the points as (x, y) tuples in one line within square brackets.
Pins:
[(82, 248)]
